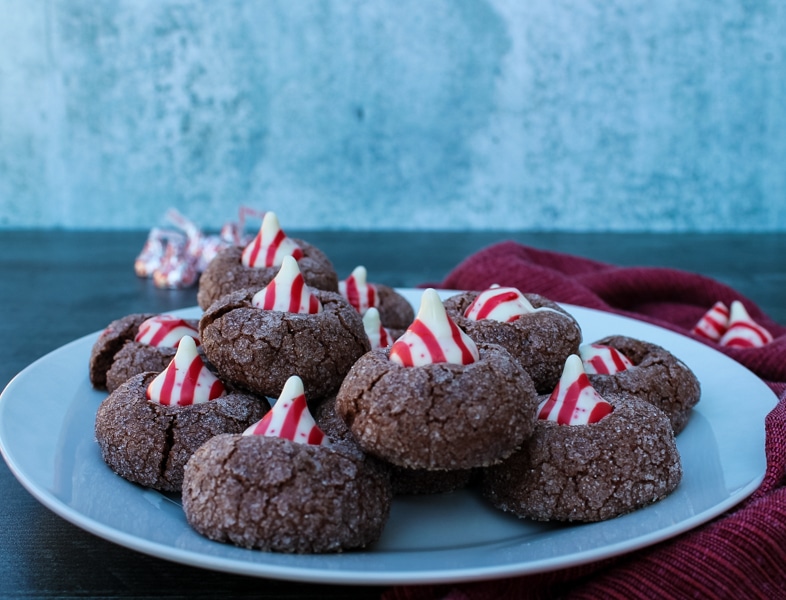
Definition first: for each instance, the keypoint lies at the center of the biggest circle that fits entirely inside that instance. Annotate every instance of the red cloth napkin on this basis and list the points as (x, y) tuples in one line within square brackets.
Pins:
[(741, 554)]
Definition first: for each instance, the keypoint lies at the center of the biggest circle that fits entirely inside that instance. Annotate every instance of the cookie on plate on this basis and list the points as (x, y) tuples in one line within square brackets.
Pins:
[(282, 486), (254, 266), (591, 457), (257, 339), (404, 481), (148, 428), (624, 365), (134, 344), (436, 400), (536, 331)]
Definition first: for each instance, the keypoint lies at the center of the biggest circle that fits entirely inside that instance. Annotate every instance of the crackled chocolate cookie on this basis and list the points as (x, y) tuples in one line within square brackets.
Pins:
[(436, 400), (134, 344), (600, 457), (634, 367), (254, 266), (536, 331), (282, 486), (395, 311), (405, 481), (148, 440), (258, 339)]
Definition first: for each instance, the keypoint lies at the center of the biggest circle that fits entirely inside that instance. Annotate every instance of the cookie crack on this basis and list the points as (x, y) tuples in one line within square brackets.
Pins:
[(169, 442)]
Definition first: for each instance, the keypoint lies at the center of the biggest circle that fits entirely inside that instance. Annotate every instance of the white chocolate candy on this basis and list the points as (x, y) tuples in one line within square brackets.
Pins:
[(714, 323), (288, 292), (376, 333), (358, 292), (290, 418), (574, 401), (504, 304), (186, 380), (433, 338), (270, 246), (165, 331), (603, 360), (743, 331)]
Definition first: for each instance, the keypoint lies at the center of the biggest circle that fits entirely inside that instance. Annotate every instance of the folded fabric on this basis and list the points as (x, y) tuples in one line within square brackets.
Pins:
[(741, 554)]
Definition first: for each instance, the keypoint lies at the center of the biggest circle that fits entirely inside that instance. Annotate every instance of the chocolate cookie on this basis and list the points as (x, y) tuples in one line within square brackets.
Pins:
[(279, 496), (226, 273), (395, 311), (134, 358), (116, 356), (259, 350), (657, 376), (540, 341), (405, 481), (149, 443), (109, 343), (439, 416), (589, 472)]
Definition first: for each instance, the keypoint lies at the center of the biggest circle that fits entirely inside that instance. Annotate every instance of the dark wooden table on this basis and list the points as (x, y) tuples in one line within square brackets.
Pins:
[(58, 286)]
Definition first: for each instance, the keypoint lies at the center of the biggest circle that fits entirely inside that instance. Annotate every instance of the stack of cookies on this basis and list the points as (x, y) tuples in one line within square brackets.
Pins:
[(295, 409)]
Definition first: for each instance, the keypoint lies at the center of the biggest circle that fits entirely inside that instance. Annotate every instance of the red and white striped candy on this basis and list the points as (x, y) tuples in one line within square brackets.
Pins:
[(288, 292), (574, 401), (504, 304), (289, 418), (358, 292), (744, 332), (376, 333), (433, 338), (714, 323), (164, 331), (270, 245), (603, 360), (186, 380)]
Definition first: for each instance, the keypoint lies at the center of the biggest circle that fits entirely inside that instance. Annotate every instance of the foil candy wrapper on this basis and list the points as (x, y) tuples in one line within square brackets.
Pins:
[(174, 258)]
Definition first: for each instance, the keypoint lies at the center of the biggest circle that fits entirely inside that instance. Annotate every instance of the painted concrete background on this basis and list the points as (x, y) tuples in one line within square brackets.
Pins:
[(485, 114)]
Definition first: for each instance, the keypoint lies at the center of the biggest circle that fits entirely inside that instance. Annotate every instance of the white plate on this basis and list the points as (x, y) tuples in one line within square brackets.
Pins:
[(46, 437)]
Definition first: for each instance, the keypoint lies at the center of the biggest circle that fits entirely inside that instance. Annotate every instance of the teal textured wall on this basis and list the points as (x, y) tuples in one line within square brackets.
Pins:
[(485, 114)]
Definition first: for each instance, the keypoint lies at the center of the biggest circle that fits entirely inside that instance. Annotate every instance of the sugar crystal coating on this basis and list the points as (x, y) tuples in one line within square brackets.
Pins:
[(268, 493), (442, 415), (590, 473), (150, 443)]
